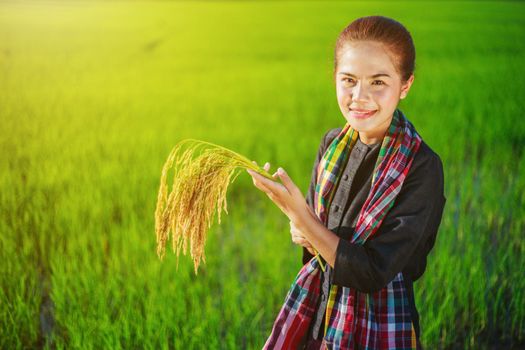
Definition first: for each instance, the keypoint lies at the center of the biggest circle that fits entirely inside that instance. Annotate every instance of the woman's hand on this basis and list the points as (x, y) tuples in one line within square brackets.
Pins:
[(298, 238), (287, 196)]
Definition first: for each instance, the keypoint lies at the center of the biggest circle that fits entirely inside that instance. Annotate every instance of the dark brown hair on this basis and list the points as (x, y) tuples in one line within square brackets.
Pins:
[(389, 32)]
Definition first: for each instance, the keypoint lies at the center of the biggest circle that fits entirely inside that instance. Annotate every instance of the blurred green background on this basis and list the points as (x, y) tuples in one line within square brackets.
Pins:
[(93, 96)]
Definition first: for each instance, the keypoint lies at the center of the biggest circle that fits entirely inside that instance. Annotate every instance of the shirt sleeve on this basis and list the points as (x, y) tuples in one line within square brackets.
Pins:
[(413, 219), (311, 188)]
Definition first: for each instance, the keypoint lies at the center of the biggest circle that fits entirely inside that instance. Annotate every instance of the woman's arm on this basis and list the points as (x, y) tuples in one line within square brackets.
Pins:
[(411, 224), (413, 219), (307, 256), (288, 197), (371, 266)]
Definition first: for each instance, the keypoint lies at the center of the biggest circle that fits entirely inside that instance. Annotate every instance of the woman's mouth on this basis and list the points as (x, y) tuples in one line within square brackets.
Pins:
[(361, 113)]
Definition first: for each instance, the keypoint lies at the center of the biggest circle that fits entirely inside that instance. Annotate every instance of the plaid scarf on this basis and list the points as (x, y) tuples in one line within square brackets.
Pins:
[(379, 320)]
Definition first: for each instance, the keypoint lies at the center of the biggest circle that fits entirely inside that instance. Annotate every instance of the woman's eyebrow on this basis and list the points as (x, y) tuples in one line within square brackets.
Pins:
[(372, 76)]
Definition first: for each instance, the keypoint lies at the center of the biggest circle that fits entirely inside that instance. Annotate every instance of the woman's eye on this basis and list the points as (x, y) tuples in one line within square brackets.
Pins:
[(379, 81)]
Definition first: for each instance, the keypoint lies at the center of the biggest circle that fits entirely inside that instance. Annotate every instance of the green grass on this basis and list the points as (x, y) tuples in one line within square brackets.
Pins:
[(94, 95)]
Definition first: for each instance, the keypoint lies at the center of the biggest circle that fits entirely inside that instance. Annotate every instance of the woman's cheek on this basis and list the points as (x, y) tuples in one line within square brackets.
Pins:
[(341, 93), (384, 97)]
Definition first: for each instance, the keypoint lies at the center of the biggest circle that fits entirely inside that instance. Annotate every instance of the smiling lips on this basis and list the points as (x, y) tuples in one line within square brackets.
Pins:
[(361, 113)]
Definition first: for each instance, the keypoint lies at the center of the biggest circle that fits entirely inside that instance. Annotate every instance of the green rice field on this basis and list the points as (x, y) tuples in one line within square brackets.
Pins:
[(94, 95)]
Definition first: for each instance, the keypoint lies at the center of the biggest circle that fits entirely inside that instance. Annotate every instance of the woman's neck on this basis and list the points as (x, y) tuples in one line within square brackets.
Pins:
[(370, 140)]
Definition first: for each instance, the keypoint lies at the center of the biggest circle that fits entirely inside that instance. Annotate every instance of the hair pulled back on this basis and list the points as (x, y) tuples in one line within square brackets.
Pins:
[(387, 31)]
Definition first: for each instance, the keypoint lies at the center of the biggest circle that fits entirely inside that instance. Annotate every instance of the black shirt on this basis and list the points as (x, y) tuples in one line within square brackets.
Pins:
[(402, 242)]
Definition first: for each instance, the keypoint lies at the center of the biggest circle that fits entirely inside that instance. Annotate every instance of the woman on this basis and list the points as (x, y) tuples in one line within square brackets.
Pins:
[(372, 210)]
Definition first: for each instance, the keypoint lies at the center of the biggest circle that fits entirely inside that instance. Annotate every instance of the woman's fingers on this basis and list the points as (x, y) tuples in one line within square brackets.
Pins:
[(259, 184), (290, 186), (274, 189), (266, 166), (302, 242), (298, 240), (289, 200), (298, 237)]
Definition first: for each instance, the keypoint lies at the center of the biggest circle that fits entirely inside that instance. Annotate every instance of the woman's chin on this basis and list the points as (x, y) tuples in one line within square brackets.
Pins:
[(359, 124)]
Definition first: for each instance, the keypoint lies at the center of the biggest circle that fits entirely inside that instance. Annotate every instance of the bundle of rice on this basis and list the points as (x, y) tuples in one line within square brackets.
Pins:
[(202, 173)]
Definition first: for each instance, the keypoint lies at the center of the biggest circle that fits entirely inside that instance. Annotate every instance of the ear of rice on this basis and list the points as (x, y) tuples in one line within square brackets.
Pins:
[(202, 174)]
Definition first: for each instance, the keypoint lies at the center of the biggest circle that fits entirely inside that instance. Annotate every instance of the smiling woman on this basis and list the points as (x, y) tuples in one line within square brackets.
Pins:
[(366, 101), (373, 207)]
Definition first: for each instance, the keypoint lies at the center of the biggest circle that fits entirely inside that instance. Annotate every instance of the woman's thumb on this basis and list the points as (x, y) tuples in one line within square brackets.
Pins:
[(285, 179)]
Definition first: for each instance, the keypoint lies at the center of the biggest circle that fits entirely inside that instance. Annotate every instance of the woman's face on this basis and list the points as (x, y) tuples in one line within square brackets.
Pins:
[(368, 88)]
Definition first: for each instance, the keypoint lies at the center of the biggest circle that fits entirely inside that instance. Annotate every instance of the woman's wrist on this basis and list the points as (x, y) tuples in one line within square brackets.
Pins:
[(322, 239)]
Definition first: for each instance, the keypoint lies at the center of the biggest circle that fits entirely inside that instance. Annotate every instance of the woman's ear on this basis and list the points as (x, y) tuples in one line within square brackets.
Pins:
[(406, 87)]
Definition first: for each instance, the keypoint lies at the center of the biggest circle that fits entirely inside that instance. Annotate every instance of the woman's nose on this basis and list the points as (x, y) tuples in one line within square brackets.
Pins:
[(359, 92)]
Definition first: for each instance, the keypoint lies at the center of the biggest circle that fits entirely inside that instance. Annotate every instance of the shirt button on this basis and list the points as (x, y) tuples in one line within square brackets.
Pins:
[(345, 177), (336, 208)]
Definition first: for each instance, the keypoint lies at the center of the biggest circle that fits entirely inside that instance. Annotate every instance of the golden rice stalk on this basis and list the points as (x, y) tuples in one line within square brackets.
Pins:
[(202, 174)]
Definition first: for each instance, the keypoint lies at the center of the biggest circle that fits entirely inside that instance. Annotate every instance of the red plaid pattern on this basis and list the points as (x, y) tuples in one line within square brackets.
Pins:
[(354, 320)]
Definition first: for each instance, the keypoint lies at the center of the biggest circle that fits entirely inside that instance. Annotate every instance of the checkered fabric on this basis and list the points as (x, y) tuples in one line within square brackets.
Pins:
[(354, 320)]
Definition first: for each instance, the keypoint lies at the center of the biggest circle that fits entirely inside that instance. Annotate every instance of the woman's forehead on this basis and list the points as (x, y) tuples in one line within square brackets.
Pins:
[(365, 60)]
